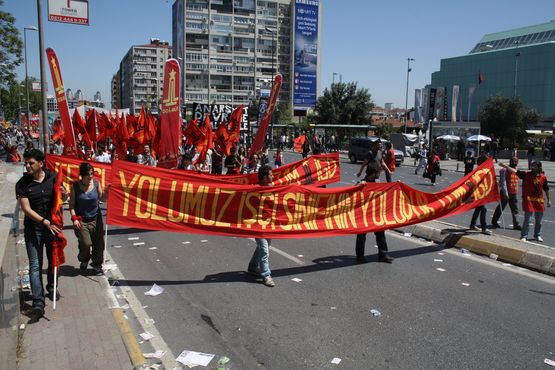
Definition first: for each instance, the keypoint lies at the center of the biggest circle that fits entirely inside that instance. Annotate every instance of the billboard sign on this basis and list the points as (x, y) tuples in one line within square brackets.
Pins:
[(305, 70), (218, 113), (69, 11)]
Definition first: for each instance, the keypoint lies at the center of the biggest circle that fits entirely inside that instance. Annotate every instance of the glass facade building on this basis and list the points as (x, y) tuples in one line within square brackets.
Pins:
[(519, 62)]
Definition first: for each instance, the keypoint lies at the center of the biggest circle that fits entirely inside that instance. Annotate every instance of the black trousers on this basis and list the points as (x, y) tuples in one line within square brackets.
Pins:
[(380, 241), (513, 204), (481, 211)]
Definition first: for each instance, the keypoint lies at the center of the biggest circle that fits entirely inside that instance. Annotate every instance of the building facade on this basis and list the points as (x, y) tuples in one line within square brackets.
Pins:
[(518, 62), (230, 50), (141, 76)]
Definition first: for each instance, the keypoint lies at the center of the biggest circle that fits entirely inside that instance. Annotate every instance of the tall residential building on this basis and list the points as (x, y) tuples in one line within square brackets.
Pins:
[(229, 50), (517, 62), (115, 93), (141, 74)]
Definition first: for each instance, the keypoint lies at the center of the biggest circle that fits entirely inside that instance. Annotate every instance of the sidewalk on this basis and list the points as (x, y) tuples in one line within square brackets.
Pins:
[(86, 332)]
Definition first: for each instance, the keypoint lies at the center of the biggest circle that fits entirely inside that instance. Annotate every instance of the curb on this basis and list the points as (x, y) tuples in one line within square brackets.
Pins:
[(511, 254)]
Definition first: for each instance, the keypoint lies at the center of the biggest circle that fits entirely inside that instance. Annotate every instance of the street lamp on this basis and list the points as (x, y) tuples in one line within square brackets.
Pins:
[(407, 92), (30, 28), (273, 32), (516, 66)]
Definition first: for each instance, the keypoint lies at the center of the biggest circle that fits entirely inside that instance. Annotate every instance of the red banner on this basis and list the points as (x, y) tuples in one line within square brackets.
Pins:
[(170, 117), (70, 148), (258, 141), (315, 170), (159, 199)]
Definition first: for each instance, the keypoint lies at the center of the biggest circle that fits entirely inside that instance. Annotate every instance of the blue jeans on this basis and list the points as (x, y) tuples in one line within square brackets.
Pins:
[(537, 225), (34, 242), (259, 260)]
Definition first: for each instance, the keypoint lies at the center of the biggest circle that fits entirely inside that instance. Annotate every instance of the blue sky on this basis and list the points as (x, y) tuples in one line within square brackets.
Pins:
[(364, 41)]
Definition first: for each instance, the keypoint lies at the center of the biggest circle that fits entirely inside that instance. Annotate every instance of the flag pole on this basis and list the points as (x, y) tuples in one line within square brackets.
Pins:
[(55, 294), (105, 234)]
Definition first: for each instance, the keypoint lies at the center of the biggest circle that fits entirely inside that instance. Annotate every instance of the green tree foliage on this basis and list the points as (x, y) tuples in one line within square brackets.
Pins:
[(344, 103), (506, 117), (11, 48), (283, 113)]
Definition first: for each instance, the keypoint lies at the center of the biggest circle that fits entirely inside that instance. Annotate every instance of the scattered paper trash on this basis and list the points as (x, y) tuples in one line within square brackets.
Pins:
[(493, 256), (146, 335), (155, 290), (139, 243), (506, 264), (437, 260), (157, 260), (333, 308), (149, 321), (110, 266), (336, 360), (192, 358), (117, 246), (465, 284), (222, 362), (300, 255), (21, 241), (440, 269), (124, 307), (549, 362), (297, 280), (407, 234), (157, 354), (375, 312), (155, 366), (152, 248), (465, 251), (185, 242), (125, 317), (133, 238), (22, 326), (441, 253), (204, 241)]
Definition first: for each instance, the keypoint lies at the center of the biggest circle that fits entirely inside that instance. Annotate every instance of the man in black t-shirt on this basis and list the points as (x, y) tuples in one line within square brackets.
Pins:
[(35, 194), (374, 164)]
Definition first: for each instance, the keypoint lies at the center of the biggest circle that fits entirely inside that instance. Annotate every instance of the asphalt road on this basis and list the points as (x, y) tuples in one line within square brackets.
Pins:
[(476, 314)]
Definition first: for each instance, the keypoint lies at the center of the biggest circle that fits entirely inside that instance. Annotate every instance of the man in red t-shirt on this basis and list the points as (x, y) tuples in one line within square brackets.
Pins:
[(533, 182), (389, 159)]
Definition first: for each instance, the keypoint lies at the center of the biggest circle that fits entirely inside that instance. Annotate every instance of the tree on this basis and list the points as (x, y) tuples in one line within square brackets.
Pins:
[(11, 48), (344, 104), (283, 113), (506, 117)]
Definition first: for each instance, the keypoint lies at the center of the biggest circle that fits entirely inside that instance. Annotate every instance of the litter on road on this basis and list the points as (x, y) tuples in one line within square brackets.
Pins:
[(117, 246), (549, 362), (297, 280), (157, 354), (440, 269), (185, 242), (133, 238), (152, 248), (192, 358), (155, 290), (146, 335), (465, 284), (204, 241), (375, 312), (493, 256), (336, 360), (437, 260), (139, 243)]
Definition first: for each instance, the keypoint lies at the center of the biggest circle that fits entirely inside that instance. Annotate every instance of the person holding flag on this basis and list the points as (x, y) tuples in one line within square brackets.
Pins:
[(35, 194), (84, 208)]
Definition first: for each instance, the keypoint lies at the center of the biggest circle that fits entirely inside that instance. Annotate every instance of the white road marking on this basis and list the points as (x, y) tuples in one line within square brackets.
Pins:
[(143, 319), (284, 254)]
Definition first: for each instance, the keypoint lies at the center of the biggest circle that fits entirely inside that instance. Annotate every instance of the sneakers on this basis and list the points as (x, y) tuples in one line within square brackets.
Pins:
[(475, 228), (540, 239), (83, 266), (517, 227), (98, 271), (486, 232), (522, 239), (268, 281), (385, 259)]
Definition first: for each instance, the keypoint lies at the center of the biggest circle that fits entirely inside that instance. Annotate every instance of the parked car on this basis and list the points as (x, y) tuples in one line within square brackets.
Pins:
[(359, 147)]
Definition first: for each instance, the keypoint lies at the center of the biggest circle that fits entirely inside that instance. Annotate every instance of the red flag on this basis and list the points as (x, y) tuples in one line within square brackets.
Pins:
[(79, 126), (235, 125), (170, 117), (58, 133), (101, 123), (221, 135), (265, 121), (480, 77), (207, 141), (90, 125), (298, 142), (140, 133), (70, 147), (122, 135), (193, 134), (59, 241), (109, 126)]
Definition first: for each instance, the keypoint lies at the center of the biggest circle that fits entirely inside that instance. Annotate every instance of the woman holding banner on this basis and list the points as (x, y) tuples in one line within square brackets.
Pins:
[(84, 208)]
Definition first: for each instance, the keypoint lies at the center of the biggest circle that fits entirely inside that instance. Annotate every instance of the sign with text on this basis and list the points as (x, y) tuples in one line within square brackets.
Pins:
[(218, 113), (69, 11), (305, 70)]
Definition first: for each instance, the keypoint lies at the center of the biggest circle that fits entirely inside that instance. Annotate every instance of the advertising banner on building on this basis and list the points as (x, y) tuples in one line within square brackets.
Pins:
[(69, 11), (431, 103), (454, 101), (218, 113), (418, 106), (305, 70)]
